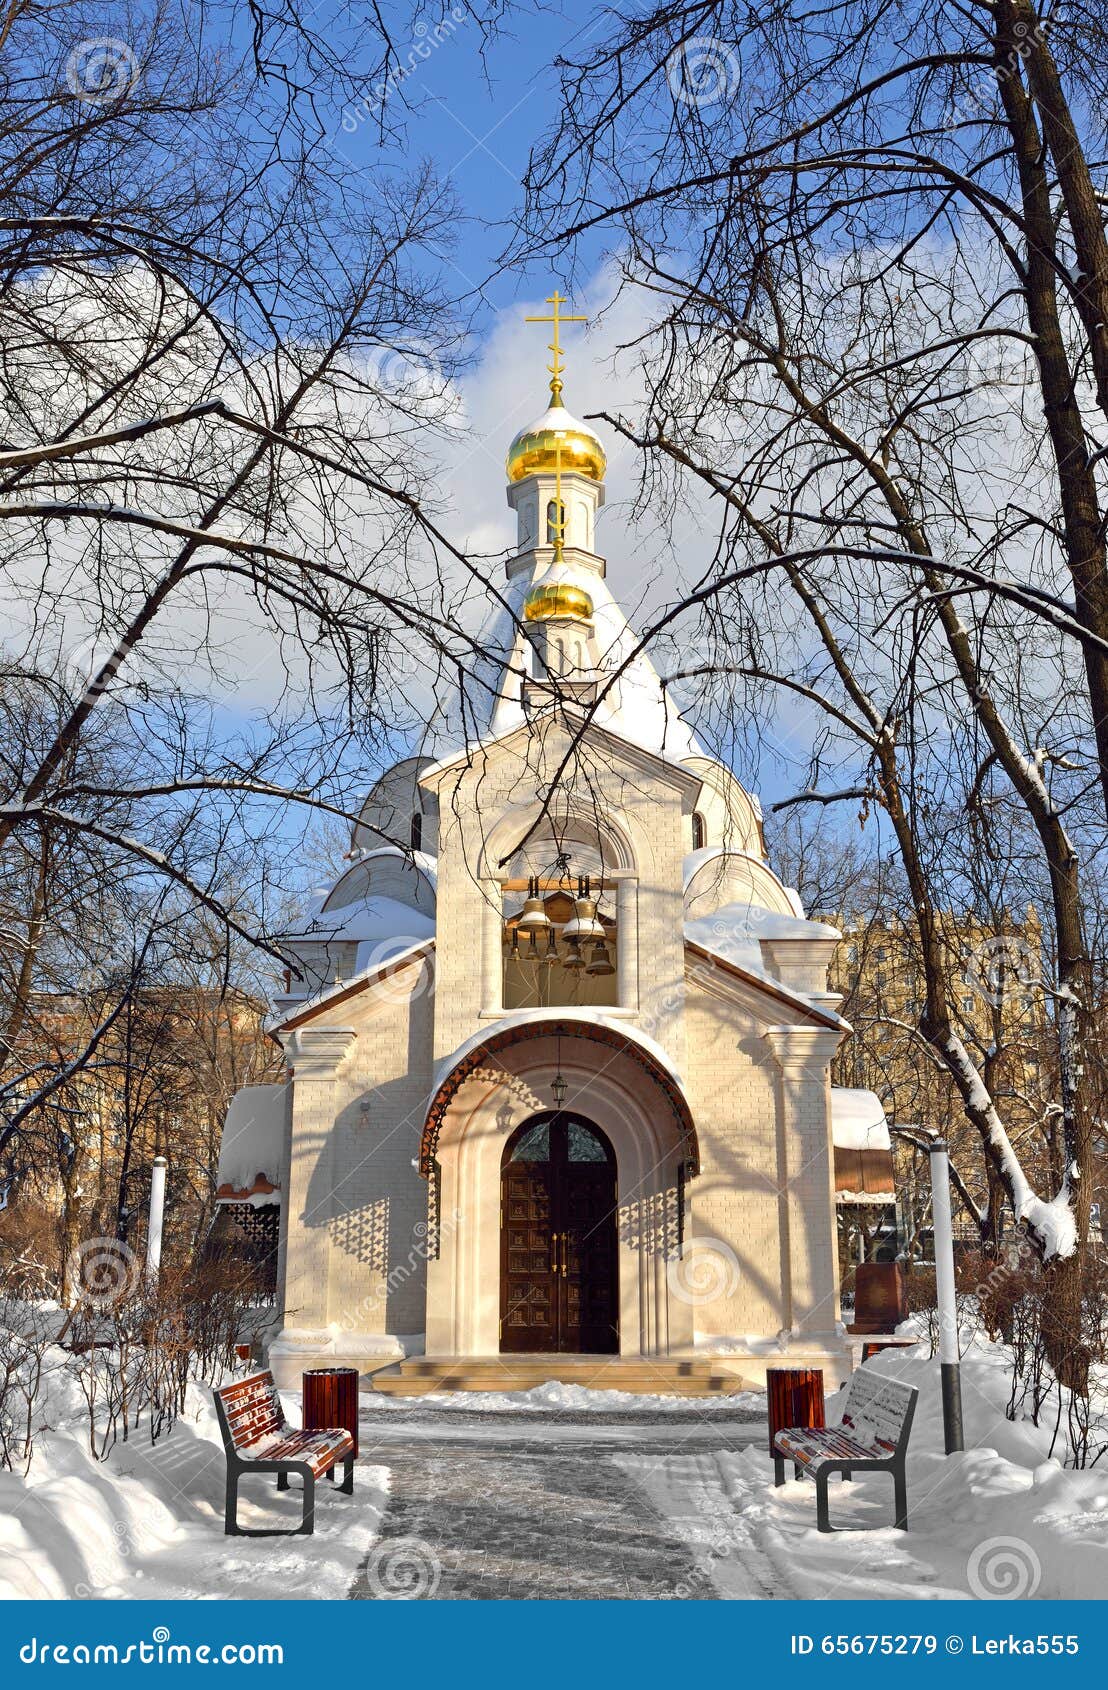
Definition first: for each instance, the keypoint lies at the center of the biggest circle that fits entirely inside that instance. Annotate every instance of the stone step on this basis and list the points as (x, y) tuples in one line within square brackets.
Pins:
[(585, 1366), (685, 1377)]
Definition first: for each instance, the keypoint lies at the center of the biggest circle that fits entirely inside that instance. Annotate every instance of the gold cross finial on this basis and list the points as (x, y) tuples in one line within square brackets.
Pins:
[(556, 367)]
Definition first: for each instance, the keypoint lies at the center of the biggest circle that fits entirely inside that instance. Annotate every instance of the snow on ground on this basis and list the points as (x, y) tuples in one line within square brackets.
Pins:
[(570, 1399), (1002, 1519), (148, 1522)]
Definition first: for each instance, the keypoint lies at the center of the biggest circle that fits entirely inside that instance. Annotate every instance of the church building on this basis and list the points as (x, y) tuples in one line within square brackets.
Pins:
[(557, 1100)]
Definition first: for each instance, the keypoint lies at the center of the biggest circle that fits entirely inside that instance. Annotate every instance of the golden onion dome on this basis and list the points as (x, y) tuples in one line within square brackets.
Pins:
[(534, 451), (548, 599)]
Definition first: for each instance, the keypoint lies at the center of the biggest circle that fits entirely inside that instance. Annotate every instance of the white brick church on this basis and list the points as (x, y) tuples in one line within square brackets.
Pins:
[(558, 1101)]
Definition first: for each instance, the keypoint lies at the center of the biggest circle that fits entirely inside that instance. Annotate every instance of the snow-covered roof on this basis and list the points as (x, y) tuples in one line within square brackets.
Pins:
[(736, 944), (251, 1151), (385, 957), (740, 924), (376, 922), (858, 1120), (417, 860), (637, 707)]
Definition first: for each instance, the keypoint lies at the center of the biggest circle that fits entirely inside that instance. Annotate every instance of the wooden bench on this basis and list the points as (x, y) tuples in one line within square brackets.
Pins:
[(258, 1439), (872, 1434)]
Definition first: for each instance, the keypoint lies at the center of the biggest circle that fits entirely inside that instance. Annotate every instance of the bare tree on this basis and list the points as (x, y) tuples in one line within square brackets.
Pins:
[(222, 353), (876, 346)]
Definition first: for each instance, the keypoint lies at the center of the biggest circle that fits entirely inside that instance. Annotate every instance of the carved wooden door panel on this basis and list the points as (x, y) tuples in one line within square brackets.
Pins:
[(559, 1269), (589, 1314), (528, 1267)]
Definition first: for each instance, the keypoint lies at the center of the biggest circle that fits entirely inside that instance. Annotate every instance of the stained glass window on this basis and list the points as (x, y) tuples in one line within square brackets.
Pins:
[(584, 1146), (534, 1144)]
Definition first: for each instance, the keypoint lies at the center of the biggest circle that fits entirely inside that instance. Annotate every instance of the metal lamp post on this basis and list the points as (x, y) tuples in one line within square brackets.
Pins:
[(157, 1219), (949, 1360)]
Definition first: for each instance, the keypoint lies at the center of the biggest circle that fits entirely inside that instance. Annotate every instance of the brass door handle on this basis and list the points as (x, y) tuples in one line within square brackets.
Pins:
[(565, 1254)]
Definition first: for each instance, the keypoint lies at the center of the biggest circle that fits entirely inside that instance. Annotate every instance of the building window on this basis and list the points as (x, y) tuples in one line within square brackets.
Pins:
[(699, 832), (547, 966), (417, 831), (552, 522)]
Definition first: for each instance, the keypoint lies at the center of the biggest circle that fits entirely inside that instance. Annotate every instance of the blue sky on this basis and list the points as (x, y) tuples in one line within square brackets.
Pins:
[(477, 117)]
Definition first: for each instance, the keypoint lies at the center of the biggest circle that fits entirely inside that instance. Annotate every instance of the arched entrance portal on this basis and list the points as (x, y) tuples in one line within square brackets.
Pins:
[(559, 1278)]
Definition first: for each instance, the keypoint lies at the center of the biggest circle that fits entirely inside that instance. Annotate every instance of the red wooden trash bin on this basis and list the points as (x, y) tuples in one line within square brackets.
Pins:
[(331, 1399), (794, 1397)]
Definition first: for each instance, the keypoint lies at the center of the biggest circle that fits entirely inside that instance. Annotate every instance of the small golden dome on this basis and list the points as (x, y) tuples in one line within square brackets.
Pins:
[(534, 451), (548, 599)]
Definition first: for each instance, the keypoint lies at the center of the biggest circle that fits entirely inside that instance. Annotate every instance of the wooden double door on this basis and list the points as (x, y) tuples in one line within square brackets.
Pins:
[(559, 1282)]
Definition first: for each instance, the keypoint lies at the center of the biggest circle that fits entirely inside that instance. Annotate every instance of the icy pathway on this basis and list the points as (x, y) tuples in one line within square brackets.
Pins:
[(541, 1507)]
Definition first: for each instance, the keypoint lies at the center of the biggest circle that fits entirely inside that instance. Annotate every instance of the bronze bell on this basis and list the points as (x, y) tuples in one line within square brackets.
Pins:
[(600, 962), (533, 918)]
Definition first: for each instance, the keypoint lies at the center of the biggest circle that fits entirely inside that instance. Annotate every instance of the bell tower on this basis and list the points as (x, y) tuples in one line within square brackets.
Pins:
[(555, 474)]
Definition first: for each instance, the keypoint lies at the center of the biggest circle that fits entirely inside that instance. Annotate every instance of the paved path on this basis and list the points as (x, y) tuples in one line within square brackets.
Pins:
[(536, 1506)]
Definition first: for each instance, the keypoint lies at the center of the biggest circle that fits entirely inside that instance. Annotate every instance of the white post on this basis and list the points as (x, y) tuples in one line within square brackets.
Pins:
[(944, 1286), (157, 1217)]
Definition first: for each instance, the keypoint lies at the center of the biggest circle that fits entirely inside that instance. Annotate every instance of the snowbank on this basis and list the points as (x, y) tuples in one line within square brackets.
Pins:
[(148, 1522), (578, 1399), (1000, 1520)]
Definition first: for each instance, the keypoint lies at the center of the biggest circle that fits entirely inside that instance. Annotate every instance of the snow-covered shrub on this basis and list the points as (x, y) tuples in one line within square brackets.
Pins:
[(26, 1334), (134, 1358)]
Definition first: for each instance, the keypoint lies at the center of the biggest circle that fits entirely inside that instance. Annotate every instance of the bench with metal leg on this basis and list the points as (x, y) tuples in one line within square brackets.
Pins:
[(258, 1439), (871, 1436)]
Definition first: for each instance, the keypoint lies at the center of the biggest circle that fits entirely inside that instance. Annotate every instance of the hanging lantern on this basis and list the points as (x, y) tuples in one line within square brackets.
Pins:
[(558, 1085), (600, 962)]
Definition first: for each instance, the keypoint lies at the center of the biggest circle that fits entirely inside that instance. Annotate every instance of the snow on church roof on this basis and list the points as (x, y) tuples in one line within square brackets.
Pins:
[(372, 921), (636, 706), (251, 1150), (858, 1120)]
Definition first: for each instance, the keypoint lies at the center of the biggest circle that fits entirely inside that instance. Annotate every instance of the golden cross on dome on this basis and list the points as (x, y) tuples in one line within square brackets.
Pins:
[(556, 299)]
